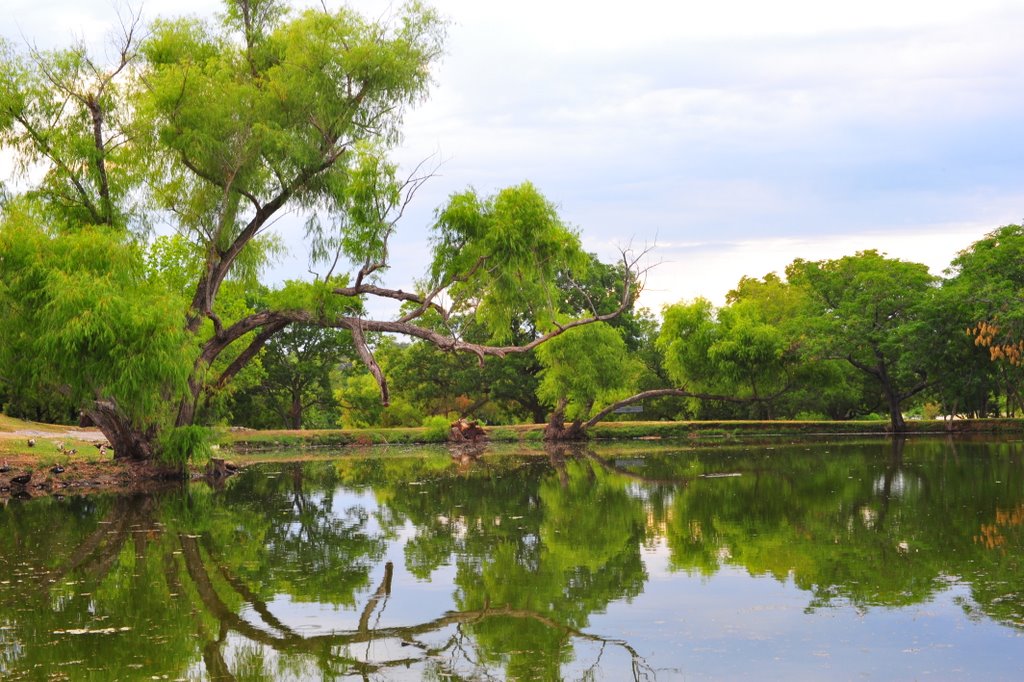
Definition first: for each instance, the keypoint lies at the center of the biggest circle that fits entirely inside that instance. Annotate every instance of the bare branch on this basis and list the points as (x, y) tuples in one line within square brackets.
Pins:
[(363, 350)]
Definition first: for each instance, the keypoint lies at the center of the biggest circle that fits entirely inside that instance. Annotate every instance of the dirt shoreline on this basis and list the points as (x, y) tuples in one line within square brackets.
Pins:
[(82, 477)]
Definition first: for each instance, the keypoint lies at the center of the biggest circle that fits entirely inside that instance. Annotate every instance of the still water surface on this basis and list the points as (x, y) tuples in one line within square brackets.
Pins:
[(839, 560)]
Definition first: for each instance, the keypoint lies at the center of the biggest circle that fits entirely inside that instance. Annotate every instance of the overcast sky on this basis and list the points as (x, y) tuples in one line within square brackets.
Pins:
[(735, 135)]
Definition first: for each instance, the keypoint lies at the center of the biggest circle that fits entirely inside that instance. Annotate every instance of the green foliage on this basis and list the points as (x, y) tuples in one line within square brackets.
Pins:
[(503, 255), (359, 398), (305, 83), (48, 105), (990, 275), (216, 126), (79, 305), (183, 444), (985, 286), (870, 310), (585, 366), (219, 126), (687, 333), (294, 389), (436, 428)]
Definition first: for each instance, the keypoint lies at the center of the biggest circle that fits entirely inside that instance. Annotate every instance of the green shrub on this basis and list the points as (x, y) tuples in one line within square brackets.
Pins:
[(436, 428), (183, 443), (503, 434)]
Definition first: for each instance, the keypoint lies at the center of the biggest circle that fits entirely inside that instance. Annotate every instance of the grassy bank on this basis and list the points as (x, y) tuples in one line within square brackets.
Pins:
[(56, 471), (248, 441), (14, 434)]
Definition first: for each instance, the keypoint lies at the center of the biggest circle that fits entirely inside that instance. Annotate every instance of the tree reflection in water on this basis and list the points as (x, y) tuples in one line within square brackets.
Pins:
[(202, 583)]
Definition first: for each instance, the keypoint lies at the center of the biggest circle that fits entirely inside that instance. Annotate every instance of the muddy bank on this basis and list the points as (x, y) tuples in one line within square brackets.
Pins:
[(25, 477)]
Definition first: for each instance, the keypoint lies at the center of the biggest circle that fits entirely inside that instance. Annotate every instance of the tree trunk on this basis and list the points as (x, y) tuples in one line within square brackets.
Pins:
[(556, 430), (295, 412), (466, 431), (126, 440), (895, 415)]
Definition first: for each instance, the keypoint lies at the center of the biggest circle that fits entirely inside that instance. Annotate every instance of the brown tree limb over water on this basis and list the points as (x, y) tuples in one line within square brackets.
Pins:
[(557, 430)]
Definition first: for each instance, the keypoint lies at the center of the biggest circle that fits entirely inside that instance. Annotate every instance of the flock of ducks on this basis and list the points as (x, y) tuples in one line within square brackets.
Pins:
[(102, 447), (23, 479)]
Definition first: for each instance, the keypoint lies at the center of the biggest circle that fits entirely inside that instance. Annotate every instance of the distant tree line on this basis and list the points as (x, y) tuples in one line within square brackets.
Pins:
[(863, 336)]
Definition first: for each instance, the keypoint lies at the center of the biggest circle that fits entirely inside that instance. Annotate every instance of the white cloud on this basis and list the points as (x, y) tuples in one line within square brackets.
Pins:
[(711, 269), (776, 130)]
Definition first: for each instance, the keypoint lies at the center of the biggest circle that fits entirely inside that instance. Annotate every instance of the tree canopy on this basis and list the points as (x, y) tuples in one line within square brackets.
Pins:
[(869, 313), (215, 129)]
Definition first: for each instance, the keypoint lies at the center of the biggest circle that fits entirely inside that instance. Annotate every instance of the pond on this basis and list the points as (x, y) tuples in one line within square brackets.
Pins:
[(843, 559)]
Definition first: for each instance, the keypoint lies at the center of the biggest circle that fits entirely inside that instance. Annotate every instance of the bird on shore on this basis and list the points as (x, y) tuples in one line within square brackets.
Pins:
[(60, 446), (58, 469), (5, 467), (31, 442), (23, 479)]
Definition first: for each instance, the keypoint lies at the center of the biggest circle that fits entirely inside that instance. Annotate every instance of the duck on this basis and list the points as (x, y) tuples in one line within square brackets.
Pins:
[(4, 468), (31, 442), (22, 479), (58, 469)]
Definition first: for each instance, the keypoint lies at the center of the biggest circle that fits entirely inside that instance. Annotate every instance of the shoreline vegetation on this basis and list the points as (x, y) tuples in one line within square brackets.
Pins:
[(245, 440), (64, 460)]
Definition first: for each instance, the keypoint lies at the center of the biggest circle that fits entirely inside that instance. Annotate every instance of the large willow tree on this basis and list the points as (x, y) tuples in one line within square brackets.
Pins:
[(218, 129)]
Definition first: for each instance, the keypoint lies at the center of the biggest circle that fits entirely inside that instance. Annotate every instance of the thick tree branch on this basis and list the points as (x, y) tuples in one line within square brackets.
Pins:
[(363, 350), (681, 393), (246, 356), (209, 285)]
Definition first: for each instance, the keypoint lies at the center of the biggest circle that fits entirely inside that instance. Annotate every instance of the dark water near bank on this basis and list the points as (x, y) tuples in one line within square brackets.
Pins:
[(832, 560)]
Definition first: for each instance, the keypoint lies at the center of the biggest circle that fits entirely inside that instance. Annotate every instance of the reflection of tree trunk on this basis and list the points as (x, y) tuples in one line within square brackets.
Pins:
[(897, 445), (953, 448), (318, 644), (208, 594), (383, 591), (298, 496), (172, 574), (892, 468), (626, 473), (98, 552), (213, 658), (326, 644), (258, 605), (556, 456)]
